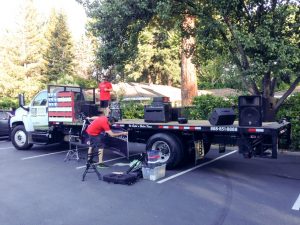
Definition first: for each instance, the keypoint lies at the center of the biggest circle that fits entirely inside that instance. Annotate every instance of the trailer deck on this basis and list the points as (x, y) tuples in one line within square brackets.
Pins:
[(201, 125), (251, 141)]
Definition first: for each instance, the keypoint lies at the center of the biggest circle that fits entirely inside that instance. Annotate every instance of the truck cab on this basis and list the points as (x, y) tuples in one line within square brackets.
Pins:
[(44, 121)]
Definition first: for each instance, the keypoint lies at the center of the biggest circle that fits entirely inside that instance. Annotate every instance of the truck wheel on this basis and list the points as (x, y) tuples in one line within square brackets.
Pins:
[(19, 138), (170, 147)]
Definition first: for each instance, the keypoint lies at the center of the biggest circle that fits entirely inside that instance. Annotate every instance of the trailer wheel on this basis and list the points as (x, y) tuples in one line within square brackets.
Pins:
[(170, 147), (19, 138)]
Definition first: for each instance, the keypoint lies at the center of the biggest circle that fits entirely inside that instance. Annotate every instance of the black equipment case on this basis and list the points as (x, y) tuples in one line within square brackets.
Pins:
[(130, 176), (125, 178)]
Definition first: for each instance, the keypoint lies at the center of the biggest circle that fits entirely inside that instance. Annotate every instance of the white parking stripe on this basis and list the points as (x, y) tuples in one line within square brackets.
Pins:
[(38, 156), (193, 168), (110, 160), (6, 148), (296, 205)]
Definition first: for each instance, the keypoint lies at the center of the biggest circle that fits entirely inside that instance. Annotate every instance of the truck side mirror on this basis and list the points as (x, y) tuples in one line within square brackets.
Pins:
[(22, 101)]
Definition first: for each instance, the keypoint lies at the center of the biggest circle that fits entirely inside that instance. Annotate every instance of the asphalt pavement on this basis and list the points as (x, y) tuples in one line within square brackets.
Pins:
[(38, 187)]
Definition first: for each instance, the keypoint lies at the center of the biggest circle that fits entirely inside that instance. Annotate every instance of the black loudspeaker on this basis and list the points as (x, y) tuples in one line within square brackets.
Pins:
[(182, 120), (115, 111), (90, 110), (222, 116), (156, 114), (162, 99), (250, 111)]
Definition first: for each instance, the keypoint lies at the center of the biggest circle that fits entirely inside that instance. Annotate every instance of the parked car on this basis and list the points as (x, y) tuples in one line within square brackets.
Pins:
[(4, 126)]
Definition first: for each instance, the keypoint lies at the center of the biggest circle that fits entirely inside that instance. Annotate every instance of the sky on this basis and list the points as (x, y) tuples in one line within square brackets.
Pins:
[(9, 10)]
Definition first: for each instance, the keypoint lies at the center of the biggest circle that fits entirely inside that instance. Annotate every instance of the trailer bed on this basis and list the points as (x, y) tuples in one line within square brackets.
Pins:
[(202, 125)]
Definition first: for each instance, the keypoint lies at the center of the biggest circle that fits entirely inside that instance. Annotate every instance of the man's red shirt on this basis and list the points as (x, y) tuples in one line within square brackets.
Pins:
[(98, 126), (105, 95)]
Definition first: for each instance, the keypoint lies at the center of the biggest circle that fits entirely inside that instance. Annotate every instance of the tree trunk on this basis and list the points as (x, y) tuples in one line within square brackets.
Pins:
[(268, 107), (188, 70), (268, 101)]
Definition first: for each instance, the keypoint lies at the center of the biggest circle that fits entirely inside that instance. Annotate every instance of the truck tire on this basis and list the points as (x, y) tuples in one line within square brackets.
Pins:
[(19, 138), (170, 147)]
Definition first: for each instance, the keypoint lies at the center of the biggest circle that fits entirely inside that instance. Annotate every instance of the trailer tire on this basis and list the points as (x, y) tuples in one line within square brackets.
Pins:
[(170, 147), (19, 138)]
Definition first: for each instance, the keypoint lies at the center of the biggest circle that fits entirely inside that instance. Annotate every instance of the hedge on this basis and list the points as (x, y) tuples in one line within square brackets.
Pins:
[(291, 111)]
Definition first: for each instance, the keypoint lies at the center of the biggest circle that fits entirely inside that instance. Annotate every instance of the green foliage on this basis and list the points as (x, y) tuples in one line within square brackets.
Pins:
[(157, 58), (132, 110), (85, 83), (204, 105), (291, 111), (239, 43), (60, 53), (118, 24), (21, 59), (260, 38), (7, 103), (219, 73)]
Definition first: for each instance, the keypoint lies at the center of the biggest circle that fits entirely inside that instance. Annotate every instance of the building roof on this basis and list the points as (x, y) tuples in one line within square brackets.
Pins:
[(139, 91)]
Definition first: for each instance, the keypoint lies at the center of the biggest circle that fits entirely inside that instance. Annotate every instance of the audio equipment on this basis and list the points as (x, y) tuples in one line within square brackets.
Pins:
[(115, 111), (89, 110), (161, 99), (250, 111), (222, 116), (182, 120), (156, 114)]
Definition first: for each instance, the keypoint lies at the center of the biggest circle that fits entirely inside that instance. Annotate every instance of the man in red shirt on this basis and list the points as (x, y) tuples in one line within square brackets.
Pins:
[(105, 87), (96, 131)]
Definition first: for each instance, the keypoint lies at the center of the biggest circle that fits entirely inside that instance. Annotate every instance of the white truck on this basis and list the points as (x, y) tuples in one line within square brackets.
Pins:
[(52, 116)]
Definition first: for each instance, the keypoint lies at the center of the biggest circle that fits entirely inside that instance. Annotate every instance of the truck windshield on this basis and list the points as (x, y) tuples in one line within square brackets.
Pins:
[(40, 99)]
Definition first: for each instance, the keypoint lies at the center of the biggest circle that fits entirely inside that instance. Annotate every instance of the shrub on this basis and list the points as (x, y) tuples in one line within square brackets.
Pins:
[(132, 110), (204, 105), (291, 111), (7, 103)]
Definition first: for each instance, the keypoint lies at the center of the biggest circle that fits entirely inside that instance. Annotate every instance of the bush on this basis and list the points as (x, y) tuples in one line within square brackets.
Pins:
[(7, 103), (291, 111), (204, 105), (132, 110)]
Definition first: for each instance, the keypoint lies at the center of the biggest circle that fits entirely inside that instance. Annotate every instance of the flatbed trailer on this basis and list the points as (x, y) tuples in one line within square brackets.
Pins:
[(177, 142)]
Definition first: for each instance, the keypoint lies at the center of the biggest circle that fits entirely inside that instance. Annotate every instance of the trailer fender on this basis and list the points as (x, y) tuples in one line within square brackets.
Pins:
[(170, 147)]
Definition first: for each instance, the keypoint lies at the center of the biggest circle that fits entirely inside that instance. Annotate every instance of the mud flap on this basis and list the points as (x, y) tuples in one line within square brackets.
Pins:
[(199, 150)]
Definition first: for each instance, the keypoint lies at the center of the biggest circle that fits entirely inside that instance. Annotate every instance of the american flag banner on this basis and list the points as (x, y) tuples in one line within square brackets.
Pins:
[(61, 107)]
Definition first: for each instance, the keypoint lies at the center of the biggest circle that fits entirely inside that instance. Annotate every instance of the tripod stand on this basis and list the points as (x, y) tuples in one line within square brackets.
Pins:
[(90, 167)]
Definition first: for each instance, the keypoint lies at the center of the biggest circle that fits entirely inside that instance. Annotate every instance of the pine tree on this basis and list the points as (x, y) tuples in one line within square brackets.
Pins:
[(22, 63), (59, 54)]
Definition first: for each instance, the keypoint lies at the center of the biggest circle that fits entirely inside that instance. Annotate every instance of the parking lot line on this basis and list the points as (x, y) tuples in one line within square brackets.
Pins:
[(193, 168), (7, 148), (109, 160), (38, 156), (296, 205)]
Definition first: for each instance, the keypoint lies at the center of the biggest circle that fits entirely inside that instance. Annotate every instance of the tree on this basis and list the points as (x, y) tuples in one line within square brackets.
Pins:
[(157, 59), (85, 56), (262, 39), (60, 53), (22, 64), (119, 23)]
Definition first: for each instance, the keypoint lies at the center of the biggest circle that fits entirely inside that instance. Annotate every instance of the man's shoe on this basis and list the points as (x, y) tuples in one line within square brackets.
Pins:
[(102, 165)]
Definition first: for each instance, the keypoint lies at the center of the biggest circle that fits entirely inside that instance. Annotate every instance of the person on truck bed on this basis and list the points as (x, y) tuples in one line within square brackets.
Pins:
[(96, 131), (105, 87)]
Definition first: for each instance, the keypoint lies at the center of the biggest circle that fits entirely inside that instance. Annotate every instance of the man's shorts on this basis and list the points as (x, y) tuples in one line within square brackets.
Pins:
[(104, 103), (97, 142)]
